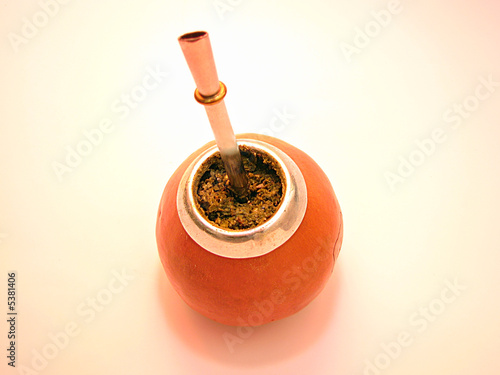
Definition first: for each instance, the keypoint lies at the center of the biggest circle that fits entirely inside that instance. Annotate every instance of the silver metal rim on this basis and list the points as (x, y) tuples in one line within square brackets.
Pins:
[(252, 242)]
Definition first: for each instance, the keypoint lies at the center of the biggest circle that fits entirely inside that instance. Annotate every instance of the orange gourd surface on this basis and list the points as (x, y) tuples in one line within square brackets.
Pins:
[(259, 290)]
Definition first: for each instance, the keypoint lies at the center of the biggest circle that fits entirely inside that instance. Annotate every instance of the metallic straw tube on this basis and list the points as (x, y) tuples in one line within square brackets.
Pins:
[(210, 92)]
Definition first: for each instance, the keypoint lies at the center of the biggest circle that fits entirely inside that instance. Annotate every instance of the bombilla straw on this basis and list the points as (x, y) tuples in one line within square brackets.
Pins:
[(210, 92)]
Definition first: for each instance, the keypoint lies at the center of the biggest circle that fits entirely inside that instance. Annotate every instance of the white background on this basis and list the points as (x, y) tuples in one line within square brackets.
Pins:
[(359, 114)]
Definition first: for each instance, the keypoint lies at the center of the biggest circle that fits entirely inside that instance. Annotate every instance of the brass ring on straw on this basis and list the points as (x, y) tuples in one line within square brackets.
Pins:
[(211, 99)]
